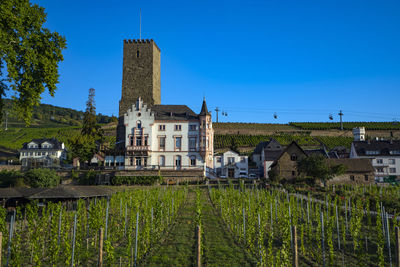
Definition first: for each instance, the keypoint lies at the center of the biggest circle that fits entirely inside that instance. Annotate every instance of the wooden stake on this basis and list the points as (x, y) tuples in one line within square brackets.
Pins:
[(295, 254), (198, 246), (100, 263), (397, 247), (1, 243)]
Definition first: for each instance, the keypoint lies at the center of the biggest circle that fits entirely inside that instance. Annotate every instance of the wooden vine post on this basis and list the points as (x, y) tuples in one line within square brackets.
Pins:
[(294, 246), (397, 247), (100, 263), (1, 245), (198, 246)]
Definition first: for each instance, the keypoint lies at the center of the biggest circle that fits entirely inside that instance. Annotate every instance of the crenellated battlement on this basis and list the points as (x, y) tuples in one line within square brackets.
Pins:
[(141, 41)]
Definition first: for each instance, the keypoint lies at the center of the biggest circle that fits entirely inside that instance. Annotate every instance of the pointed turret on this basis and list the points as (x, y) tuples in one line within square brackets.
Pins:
[(204, 110)]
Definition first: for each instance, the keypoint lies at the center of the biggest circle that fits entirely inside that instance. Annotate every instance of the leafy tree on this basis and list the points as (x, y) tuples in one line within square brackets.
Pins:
[(82, 147), (42, 178), (317, 167), (29, 55)]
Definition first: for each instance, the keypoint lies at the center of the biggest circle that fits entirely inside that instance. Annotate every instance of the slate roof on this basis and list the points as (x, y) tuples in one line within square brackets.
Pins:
[(354, 165), (264, 145), (339, 152), (56, 144), (383, 146), (173, 112), (272, 155), (204, 110), (55, 192)]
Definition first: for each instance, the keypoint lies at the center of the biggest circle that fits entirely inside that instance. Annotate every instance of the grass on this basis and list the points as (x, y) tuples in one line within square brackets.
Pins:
[(219, 246), (178, 248)]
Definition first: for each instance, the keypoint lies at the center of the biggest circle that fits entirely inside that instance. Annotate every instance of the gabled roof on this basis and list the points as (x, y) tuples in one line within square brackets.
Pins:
[(173, 112), (56, 144), (382, 146), (354, 165), (264, 145), (293, 143), (272, 155)]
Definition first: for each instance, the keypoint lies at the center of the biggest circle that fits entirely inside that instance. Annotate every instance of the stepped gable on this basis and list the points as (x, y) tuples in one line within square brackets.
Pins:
[(173, 112)]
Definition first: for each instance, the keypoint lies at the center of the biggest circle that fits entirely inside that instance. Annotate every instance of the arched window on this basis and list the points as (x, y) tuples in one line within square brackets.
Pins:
[(293, 157), (137, 53), (139, 124), (161, 161)]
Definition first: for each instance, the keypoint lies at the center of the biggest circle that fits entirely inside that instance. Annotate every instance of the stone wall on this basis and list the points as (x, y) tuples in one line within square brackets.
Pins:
[(10, 167), (358, 178)]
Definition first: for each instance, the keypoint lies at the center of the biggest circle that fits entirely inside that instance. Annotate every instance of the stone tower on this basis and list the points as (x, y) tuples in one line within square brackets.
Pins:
[(140, 74)]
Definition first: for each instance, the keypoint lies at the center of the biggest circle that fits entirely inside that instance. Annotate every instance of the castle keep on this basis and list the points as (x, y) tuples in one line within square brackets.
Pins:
[(140, 74)]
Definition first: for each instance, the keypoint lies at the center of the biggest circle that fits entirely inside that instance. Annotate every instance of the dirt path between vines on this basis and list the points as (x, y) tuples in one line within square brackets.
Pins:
[(178, 249), (219, 247)]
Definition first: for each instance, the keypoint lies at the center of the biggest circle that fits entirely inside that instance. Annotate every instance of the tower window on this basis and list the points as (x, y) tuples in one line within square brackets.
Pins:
[(137, 53)]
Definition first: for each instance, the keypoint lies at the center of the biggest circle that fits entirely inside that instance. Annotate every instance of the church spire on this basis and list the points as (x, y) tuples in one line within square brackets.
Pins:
[(204, 110)]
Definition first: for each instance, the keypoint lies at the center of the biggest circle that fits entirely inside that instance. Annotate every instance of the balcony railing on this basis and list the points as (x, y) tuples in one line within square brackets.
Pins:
[(137, 148)]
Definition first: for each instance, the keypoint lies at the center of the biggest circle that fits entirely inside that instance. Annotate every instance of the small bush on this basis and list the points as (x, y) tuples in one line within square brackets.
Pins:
[(136, 180), (11, 178), (42, 178), (89, 178)]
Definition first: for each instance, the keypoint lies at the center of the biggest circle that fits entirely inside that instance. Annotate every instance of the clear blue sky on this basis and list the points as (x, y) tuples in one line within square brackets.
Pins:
[(300, 59)]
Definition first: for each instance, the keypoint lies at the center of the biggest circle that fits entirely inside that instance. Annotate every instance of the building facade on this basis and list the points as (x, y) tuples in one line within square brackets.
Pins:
[(383, 154), (167, 137), (46, 152), (231, 164)]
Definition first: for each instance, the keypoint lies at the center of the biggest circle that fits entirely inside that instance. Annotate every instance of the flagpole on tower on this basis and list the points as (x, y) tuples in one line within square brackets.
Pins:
[(140, 24)]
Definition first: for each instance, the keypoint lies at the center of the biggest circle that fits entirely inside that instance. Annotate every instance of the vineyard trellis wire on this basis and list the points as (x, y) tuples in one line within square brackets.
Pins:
[(54, 235)]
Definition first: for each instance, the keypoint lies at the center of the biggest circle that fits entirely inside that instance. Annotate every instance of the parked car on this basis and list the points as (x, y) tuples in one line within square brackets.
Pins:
[(222, 176), (252, 176)]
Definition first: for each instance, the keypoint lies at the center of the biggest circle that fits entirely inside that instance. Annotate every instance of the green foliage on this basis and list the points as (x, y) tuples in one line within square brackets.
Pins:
[(89, 178), (243, 140), (317, 167), (11, 178), (136, 180), (346, 125), (29, 55), (42, 178), (82, 147)]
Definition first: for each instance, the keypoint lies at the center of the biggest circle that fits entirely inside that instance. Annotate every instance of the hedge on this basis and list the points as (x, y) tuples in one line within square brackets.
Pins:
[(135, 180)]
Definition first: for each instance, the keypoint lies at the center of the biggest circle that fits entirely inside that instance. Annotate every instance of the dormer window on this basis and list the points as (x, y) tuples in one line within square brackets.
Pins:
[(372, 152), (293, 157)]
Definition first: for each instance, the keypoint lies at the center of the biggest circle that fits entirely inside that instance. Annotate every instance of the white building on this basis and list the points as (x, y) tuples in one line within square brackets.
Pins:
[(166, 137), (231, 164), (42, 153), (384, 155)]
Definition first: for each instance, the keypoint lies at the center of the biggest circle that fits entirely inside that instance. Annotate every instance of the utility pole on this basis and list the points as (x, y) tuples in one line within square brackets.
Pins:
[(341, 121), (217, 110)]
